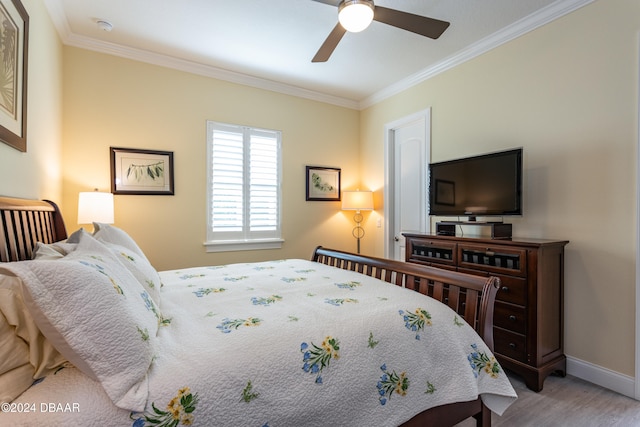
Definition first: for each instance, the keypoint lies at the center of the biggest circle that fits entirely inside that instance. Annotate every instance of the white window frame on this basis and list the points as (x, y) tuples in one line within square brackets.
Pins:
[(245, 239)]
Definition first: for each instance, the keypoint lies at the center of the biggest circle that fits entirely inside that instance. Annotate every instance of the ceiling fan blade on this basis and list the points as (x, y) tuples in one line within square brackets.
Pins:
[(329, 2), (428, 27), (329, 44)]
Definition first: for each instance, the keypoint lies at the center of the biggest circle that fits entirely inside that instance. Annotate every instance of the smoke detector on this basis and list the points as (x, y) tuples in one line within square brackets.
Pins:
[(104, 25)]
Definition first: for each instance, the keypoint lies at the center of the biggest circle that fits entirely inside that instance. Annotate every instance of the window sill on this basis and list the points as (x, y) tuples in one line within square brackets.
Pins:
[(243, 245)]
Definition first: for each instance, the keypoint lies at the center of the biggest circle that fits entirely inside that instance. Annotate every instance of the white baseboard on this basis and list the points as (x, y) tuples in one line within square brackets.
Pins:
[(623, 384)]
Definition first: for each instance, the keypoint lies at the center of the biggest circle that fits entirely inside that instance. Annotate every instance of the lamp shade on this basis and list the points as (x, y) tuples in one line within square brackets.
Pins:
[(355, 15), (357, 200), (95, 206)]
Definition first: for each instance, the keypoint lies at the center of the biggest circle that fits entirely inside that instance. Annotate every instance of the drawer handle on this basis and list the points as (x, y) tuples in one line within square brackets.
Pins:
[(505, 289), (512, 345), (513, 318)]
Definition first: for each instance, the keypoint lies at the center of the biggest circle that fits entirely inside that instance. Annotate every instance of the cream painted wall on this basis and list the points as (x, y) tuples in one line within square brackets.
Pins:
[(36, 173), (111, 101), (568, 94)]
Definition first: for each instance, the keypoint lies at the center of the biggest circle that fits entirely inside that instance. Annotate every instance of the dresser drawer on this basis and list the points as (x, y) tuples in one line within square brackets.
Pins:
[(431, 252), (510, 344), (512, 289), (509, 316), (494, 259), (442, 266)]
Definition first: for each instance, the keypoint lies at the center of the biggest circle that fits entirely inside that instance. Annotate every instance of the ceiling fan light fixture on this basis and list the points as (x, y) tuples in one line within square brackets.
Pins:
[(355, 15)]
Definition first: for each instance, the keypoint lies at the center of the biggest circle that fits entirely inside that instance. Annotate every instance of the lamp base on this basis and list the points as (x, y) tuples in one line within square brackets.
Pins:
[(358, 231)]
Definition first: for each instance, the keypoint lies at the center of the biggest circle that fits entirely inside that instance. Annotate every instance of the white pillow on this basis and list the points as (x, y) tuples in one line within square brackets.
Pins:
[(111, 234), (141, 269), (131, 256), (52, 250), (95, 312)]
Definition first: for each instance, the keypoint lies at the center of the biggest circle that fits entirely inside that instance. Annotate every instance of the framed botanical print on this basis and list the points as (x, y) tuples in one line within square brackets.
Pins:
[(323, 184), (136, 171)]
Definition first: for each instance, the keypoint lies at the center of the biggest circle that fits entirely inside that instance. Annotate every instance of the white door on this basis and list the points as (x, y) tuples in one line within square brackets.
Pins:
[(637, 382), (407, 147)]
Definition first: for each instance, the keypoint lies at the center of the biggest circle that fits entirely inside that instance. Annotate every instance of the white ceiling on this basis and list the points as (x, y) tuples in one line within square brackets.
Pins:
[(270, 43)]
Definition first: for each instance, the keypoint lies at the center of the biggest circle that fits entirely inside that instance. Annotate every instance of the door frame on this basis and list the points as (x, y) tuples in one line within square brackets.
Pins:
[(637, 323), (389, 163)]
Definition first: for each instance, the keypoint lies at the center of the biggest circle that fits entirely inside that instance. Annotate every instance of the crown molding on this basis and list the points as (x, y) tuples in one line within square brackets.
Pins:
[(205, 70), (529, 23), (70, 39)]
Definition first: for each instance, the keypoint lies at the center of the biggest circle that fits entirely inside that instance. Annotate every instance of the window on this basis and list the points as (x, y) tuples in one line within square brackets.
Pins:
[(244, 173)]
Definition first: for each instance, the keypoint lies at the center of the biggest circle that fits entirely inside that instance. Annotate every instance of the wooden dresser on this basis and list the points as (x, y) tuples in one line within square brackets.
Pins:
[(528, 318)]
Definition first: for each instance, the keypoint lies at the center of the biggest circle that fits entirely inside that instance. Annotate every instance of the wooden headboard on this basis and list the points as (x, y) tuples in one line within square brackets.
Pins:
[(24, 222)]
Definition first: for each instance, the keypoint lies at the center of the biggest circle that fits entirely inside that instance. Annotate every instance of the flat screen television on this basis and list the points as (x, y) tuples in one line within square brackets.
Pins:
[(484, 185)]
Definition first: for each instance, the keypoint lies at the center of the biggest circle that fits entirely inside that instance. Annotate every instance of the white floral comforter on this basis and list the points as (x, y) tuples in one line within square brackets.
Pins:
[(288, 343)]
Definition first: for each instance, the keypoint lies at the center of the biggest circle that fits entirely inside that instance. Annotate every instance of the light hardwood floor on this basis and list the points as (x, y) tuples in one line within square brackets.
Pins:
[(568, 402)]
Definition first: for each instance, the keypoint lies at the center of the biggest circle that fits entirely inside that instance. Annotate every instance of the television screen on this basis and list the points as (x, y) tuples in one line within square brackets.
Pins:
[(485, 185)]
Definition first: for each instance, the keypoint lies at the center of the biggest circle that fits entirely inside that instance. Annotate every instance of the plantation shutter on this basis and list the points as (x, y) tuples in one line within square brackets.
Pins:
[(244, 183), (263, 191)]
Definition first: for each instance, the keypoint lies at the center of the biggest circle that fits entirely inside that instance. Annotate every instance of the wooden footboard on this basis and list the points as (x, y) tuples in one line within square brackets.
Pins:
[(472, 297)]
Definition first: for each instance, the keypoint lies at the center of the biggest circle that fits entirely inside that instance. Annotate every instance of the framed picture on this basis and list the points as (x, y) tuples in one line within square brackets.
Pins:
[(323, 184), (141, 171), (14, 39), (445, 192)]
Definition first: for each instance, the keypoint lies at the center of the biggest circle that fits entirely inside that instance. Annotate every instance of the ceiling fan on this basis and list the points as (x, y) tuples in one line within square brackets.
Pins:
[(363, 12)]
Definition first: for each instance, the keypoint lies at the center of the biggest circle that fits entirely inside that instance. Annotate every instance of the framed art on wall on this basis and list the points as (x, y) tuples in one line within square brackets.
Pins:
[(323, 184), (14, 51), (135, 171)]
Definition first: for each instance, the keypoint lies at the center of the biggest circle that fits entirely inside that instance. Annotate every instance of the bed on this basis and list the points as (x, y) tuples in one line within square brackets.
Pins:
[(89, 331)]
